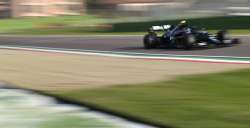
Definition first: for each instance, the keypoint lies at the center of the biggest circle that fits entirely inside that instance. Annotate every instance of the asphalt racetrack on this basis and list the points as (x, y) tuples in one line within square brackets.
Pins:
[(120, 43)]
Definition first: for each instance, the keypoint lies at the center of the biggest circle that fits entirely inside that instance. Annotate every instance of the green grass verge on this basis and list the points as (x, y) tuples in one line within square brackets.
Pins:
[(47, 24), (92, 25), (200, 101), (210, 23)]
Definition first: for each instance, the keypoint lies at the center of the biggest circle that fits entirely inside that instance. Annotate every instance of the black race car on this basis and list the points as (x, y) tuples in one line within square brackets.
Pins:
[(182, 36)]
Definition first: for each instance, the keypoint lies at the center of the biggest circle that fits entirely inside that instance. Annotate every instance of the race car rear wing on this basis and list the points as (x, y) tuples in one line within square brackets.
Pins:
[(161, 28)]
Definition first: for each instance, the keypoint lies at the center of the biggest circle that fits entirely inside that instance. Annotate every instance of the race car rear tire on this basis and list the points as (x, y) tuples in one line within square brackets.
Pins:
[(188, 42), (150, 41)]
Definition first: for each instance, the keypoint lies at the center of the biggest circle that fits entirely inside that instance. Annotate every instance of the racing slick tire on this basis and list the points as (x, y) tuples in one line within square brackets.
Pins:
[(224, 38), (222, 35), (150, 41), (236, 41), (188, 42)]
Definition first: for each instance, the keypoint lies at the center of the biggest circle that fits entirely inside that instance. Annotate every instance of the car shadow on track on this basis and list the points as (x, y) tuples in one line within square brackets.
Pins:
[(161, 48)]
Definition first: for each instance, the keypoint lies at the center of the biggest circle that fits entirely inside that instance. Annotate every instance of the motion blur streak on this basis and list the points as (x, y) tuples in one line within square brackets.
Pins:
[(24, 109)]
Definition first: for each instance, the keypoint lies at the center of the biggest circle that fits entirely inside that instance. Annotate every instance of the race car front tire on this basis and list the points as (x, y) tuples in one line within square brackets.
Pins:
[(222, 35)]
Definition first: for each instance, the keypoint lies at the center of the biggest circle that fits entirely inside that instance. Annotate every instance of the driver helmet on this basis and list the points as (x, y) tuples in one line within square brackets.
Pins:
[(183, 24)]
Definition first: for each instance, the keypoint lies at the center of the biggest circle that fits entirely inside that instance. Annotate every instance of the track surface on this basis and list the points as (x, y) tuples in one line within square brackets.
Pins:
[(119, 43)]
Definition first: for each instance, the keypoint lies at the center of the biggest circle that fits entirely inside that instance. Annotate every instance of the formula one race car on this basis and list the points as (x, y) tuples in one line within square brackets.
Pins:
[(185, 37)]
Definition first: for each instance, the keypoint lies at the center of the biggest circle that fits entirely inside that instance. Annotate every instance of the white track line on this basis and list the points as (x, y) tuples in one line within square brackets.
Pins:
[(125, 56)]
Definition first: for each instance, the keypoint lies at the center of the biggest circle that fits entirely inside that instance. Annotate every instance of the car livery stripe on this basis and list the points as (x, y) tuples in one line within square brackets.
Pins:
[(136, 55)]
